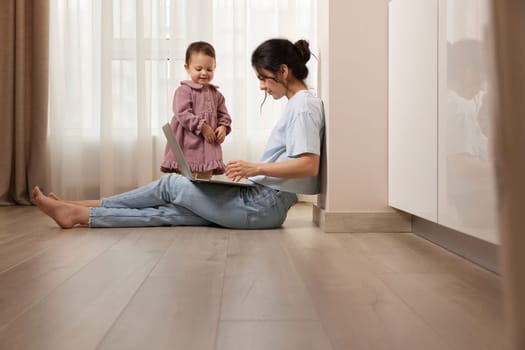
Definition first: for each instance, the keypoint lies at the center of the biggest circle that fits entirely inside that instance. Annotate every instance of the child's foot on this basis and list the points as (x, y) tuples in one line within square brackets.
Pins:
[(205, 175), (61, 212)]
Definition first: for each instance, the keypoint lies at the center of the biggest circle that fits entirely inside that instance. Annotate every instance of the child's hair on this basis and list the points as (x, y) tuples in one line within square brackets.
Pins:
[(199, 46), (273, 52)]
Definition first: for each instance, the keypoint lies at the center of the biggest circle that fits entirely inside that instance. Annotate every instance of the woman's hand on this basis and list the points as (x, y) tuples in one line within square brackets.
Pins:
[(239, 169), (208, 133), (220, 134), (307, 164)]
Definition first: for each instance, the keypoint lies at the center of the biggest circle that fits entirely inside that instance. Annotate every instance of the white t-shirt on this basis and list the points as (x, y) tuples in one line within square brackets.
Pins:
[(464, 134), (299, 130)]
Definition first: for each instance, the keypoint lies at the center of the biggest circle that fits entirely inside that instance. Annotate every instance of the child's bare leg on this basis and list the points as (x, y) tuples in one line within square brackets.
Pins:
[(203, 175), (66, 215), (85, 203)]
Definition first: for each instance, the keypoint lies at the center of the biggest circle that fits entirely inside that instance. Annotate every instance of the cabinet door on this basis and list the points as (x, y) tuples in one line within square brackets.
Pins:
[(413, 106), (466, 179)]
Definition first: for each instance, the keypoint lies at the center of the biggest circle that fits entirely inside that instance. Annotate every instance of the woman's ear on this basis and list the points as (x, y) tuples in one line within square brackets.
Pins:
[(283, 69)]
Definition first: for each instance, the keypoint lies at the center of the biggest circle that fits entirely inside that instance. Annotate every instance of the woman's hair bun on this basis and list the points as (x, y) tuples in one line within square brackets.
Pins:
[(303, 47)]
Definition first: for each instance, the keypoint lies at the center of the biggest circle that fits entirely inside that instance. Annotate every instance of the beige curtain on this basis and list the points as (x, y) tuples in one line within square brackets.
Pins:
[(23, 97), (509, 18)]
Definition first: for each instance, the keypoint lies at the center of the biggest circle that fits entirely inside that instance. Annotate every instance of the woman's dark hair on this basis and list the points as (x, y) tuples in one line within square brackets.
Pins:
[(199, 46), (462, 55), (272, 53)]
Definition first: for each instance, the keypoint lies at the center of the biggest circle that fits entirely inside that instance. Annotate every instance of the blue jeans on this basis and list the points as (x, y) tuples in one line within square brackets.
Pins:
[(173, 200)]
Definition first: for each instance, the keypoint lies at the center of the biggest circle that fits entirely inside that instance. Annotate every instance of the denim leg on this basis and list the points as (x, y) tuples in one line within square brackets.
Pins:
[(148, 196), (228, 206), (164, 215)]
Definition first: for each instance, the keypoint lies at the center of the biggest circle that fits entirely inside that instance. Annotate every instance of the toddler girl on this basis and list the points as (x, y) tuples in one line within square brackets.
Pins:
[(201, 120)]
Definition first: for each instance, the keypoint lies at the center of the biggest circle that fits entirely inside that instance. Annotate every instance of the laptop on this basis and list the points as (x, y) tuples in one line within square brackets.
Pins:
[(185, 169)]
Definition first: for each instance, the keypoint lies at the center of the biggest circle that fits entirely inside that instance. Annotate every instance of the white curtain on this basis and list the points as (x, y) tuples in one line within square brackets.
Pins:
[(467, 19), (114, 68)]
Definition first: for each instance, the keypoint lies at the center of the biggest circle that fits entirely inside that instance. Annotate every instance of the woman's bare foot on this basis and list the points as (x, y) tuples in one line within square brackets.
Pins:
[(65, 215), (52, 195)]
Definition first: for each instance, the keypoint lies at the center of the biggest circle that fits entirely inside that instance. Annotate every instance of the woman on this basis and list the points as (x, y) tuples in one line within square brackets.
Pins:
[(289, 165)]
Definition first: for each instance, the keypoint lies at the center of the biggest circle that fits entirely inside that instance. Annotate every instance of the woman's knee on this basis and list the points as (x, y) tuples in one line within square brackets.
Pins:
[(266, 219)]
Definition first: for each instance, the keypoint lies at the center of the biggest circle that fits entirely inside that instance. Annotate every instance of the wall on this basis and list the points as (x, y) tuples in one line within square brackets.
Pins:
[(353, 85)]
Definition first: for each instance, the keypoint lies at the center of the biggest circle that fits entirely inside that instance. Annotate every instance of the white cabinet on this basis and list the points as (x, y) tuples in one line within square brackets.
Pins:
[(466, 196), (440, 162), (412, 105)]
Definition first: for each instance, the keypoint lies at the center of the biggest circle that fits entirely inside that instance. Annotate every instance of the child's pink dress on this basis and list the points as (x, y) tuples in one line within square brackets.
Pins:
[(194, 104)]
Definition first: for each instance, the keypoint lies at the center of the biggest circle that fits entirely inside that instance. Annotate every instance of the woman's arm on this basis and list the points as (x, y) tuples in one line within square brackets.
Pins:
[(306, 164)]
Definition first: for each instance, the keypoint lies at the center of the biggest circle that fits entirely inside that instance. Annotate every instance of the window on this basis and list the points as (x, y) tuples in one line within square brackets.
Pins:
[(114, 68)]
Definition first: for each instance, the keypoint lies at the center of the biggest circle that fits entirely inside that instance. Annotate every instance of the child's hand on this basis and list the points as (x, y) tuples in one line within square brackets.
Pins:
[(208, 133), (220, 134)]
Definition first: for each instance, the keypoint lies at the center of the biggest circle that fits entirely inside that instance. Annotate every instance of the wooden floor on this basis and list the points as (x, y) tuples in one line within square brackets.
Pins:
[(209, 288)]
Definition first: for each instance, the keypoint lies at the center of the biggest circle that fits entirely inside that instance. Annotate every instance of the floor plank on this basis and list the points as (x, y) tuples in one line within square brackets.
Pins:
[(261, 282), (30, 281), (178, 305), (358, 310), (78, 313), (275, 335)]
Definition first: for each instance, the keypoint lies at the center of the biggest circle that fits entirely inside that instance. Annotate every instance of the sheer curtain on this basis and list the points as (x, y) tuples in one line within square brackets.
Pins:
[(114, 68)]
